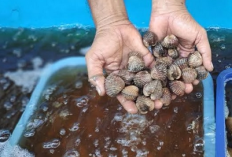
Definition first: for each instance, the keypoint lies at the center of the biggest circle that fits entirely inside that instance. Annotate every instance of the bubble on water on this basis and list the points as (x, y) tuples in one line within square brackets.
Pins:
[(223, 46), (219, 61), (17, 52), (118, 117), (72, 153), (161, 143), (119, 108), (44, 107), (53, 44), (183, 155), (49, 91), (216, 55), (62, 131), (32, 37), (30, 133), (154, 128), (199, 145), (11, 113), (78, 84), (82, 101), (124, 152), (54, 143), (198, 95), (13, 98), (4, 135), (156, 112), (228, 66), (77, 141), (175, 109), (52, 151), (84, 109), (96, 142), (142, 153), (34, 123), (112, 148), (7, 105), (75, 127)]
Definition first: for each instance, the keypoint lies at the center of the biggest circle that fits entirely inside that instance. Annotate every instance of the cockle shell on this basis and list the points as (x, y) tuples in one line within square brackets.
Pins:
[(165, 60), (126, 76), (173, 53), (189, 75), (113, 85), (144, 104), (195, 59), (174, 72), (166, 97), (182, 63), (202, 73), (153, 89), (158, 50), (170, 41), (177, 87), (130, 92), (141, 78), (149, 39), (135, 62), (159, 71)]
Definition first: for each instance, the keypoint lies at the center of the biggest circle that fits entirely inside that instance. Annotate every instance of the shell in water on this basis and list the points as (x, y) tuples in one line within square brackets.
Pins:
[(166, 97), (195, 59), (159, 71), (173, 53), (189, 75), (153, 89), (170, 41), (126, 76), (113, 85), (144, 104), (182, 63), (149, 39), (202, 73), (174, 72), (130, 92), (229, 124), (141, 78), (159, 51), (177, 87), (135, 62), (165, 60)]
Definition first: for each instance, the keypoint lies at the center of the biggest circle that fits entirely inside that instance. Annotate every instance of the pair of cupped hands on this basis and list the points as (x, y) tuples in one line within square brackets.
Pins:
[(114, 41)]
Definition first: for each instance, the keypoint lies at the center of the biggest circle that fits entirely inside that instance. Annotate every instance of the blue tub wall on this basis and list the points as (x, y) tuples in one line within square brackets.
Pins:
[(41, 13)]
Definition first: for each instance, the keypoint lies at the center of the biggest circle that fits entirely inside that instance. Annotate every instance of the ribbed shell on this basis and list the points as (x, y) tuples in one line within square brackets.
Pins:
[(189, 75), (174, 72), (173, 53), (135, 62), (159, 72), (167, 97), (113, 85), (141, 78), (202, 73), (177, 87), (195, 59), (149, 39), (130, 92), (126, 76), (170, 41), (159, 51), (144, 104), (153, 89), (182, 63), (164, 60)]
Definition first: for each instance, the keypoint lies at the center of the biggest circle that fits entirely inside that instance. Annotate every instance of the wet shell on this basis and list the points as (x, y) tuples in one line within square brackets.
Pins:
[(189, 75), (182, 63), (173, 53), (174, 72), (202, 73), (130, 92), (170, 41), (149, 39), (195, 59), (135, 62), (159, 71), (164, 82), (164, 60), (126, 76), (159, 51), (177, 87), (153, 89), (144, 104), (113, 85), (229, 124), (141, 78), (166, 97)]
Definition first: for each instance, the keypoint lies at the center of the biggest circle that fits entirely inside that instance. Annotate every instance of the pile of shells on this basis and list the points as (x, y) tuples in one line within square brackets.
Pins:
[(168, 76)]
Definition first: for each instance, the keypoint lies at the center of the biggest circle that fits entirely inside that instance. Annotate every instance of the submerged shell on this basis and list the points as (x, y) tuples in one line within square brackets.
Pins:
[(126, 76), (174, 72), (113, 85), (177, 87), (165, 60), (135, 62), (144, 104), (167, 97), (159, 51), (153, 89), (170, 41), (182, 63), (159, 72), (141, 78), (149, 39), (202, 73), (130, 92), (195, 59), (173, 53), (189, 75)]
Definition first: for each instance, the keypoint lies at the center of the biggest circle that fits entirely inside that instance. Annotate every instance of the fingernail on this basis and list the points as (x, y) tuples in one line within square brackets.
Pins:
[(98, 90)]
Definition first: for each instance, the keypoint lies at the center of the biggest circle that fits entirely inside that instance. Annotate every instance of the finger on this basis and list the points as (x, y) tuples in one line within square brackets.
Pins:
[(128, 105), (158, 104), (188, 88), (173, 96), (158, 26), (196, 82)]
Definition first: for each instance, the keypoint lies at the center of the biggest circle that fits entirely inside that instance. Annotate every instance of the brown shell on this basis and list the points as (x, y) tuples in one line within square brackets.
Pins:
[(173, 53), (130, 92), (189, 75), (195, 59), (166, 97), (149, 39), (229, 124), (126, 76), (141, 78), (164, 82), (165, 60), (153, 89), (144, 104), (202, 73), (159, 71), (174, 72), (177, 87), (135, 62), (182, 63), (170, 41), (113, 85), (159, 51)]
